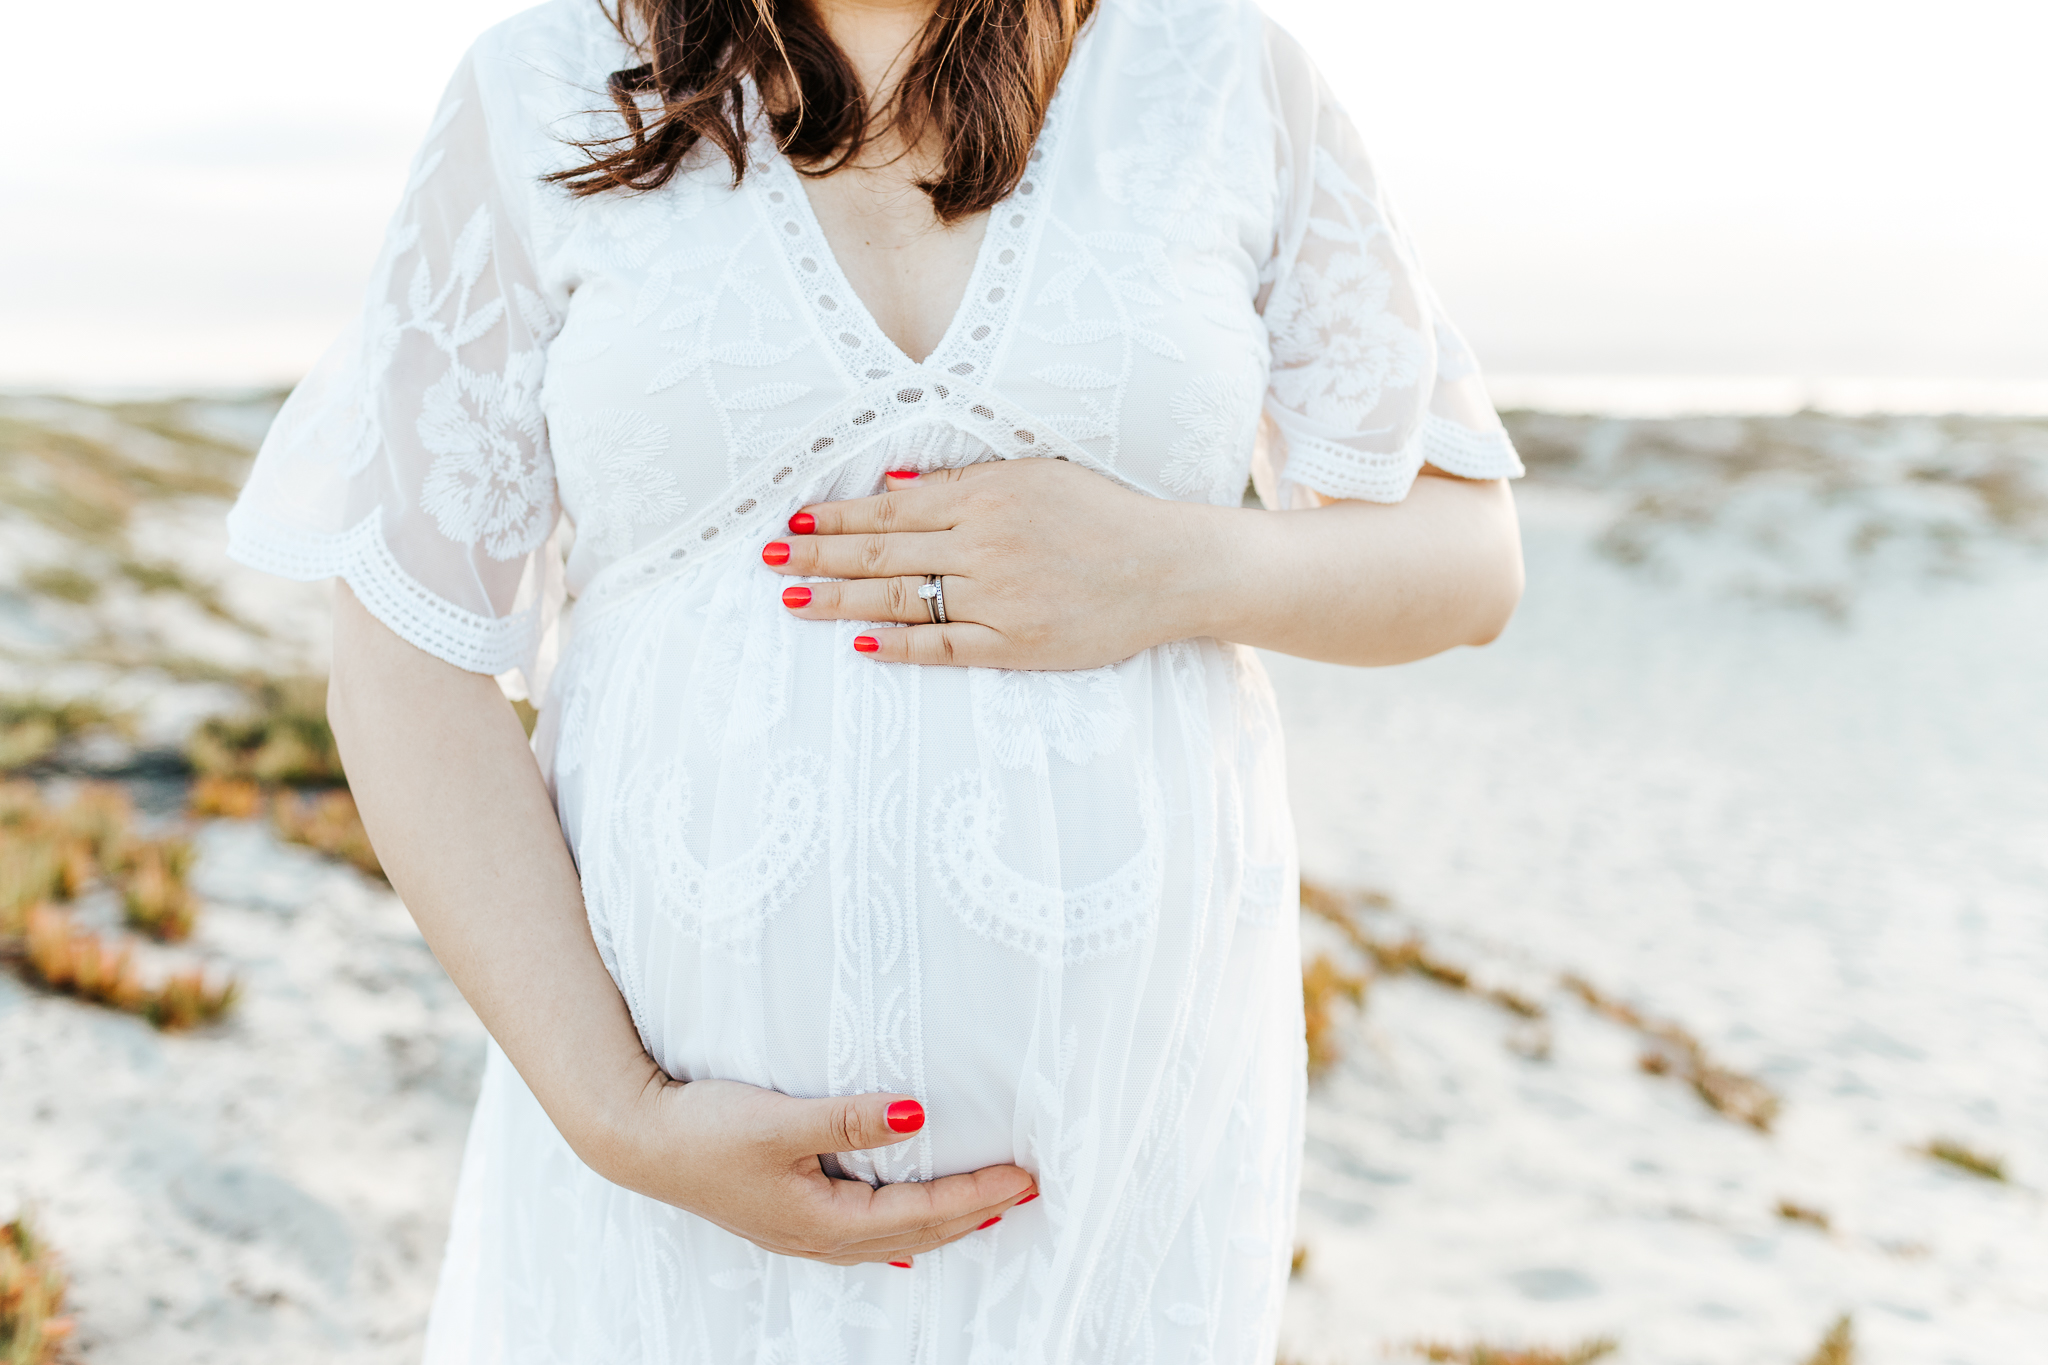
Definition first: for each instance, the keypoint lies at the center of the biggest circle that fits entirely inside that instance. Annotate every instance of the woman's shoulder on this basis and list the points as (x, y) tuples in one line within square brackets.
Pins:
[(556, 49), (1204, 38)]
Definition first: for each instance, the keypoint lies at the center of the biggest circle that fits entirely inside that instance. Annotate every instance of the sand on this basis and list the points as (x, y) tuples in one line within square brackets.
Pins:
[(1741, 760)]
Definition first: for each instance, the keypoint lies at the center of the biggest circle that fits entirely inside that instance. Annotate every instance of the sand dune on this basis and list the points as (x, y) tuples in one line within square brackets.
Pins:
[(1765, 754)]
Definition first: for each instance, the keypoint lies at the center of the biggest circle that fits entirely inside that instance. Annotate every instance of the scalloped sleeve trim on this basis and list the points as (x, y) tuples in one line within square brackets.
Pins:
[(1335, 470), (360, 558)]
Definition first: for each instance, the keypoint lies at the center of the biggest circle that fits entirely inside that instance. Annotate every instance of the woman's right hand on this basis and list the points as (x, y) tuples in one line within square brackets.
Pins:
[(746, 1159), (467, 832)]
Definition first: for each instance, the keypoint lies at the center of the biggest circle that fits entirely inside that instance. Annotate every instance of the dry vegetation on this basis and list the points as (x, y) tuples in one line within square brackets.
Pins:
[(1674, 1051), (250, 763), (1405, 955), (30, 727), (281, 740), (1794, 1212), (1325, 982), (32, 1326), (1671, 1049), (1803, 511), (328, 822), (50, 855), (1323, 985), (1482, 1354), (1962, 1158), (1838, 1347)]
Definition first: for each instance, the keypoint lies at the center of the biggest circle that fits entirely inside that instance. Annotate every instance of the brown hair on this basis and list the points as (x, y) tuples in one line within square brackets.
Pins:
[(977, 86)]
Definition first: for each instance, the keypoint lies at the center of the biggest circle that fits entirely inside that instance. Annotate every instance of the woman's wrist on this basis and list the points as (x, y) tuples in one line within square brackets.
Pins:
[(603, 1113), (1205, 554)]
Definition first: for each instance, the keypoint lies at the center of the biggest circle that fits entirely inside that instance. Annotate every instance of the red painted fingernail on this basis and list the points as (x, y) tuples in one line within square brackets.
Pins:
[(868, 644), (905, 1116), (901, 1265), (1025, 1200), (775, 552), (990, 1223), (903, 473), (796, 596), (802, 524)]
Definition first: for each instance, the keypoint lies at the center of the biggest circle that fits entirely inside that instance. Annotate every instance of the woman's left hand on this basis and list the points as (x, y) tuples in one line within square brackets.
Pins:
[(1047, 565)]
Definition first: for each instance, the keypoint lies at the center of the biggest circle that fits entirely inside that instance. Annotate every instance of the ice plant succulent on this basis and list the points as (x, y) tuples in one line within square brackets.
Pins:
[(32, 1325), (283, 740), (229, 798), (154, 895), (66, 958), (329, 822)]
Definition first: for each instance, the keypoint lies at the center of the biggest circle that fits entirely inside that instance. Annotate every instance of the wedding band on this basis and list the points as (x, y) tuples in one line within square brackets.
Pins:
[(934, 594)]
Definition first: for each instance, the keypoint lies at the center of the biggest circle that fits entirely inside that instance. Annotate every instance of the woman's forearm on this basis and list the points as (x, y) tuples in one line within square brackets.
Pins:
[(465, 829), (1353, 582)]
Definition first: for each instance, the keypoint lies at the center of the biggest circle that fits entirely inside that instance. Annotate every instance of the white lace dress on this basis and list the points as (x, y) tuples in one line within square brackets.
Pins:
[(1058, 908)]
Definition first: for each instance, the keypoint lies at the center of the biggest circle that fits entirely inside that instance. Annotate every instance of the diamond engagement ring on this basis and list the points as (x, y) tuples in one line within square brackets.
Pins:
[(934, 594)]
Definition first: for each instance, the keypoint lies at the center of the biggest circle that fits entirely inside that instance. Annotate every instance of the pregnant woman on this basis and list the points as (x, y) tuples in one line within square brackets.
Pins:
[(888, 939)]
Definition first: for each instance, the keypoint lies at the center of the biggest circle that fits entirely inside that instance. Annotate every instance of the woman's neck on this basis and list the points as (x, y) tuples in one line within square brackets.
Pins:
[(878, 36)]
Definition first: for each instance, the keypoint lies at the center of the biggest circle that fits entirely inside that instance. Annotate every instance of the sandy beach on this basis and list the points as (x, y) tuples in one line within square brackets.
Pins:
[(1764, 757)]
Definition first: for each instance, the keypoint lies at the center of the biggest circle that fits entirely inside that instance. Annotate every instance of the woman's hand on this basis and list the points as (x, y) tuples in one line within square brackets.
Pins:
[(1047, 565), (1050, 566), (468, 834), (747, 1159)]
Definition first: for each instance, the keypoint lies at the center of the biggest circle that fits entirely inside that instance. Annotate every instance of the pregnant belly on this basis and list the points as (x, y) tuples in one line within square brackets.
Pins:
[(824, 875)]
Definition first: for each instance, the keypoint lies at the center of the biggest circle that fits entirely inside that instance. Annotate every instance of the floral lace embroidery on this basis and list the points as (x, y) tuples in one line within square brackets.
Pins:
[(1209, 461), (492, 483), (610, 476), (1021, 715), (1338, 348)]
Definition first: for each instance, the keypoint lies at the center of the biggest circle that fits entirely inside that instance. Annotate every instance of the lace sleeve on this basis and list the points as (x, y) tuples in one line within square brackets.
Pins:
[(413, 461), (1369, 379)]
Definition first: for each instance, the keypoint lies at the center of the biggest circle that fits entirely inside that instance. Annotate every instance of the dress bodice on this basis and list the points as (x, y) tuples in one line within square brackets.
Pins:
[(1198, 240), (1056, 907)]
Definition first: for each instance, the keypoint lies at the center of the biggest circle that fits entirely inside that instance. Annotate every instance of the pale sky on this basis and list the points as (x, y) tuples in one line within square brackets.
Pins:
[(192, 194)]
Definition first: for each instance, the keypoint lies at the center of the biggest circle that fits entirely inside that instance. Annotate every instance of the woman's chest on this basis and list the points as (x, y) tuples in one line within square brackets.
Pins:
[(717, 351)]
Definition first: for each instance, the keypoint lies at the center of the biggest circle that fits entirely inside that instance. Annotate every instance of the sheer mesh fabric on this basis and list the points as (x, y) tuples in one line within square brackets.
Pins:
[(413, 461)]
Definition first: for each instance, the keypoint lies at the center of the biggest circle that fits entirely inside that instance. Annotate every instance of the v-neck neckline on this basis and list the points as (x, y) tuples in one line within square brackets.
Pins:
[(980, 319)]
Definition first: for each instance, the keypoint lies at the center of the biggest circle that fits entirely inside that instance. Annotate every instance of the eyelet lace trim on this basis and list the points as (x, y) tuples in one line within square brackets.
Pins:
[(896, 391), (764, 500), (1341, 471), (982, 321), (1046, 923), (359, 556)]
